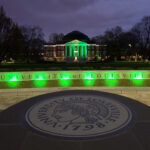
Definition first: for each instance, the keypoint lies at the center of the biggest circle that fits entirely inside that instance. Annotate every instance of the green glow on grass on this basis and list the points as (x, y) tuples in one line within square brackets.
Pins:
[(65, 79), (89, 78), (40, 79), (137, 78), (13, 79), (111, 78)]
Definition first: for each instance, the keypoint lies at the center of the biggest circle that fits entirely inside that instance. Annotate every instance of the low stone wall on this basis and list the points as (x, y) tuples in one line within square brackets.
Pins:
[(74, 75), (74, 79)]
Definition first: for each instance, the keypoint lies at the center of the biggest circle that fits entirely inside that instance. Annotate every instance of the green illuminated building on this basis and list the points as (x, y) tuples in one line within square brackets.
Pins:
[(76, 47)]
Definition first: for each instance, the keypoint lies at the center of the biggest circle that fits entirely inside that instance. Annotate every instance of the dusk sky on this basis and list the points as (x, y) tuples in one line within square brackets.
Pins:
[(91, 17)]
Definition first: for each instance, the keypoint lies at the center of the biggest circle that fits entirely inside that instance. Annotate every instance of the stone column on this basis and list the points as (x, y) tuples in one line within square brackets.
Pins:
[(81, 51), (69, 51), (72, 51), (85, 51), (78, 50)]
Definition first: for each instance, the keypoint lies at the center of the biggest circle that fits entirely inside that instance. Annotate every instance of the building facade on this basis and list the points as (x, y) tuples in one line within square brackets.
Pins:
[(73, 50)]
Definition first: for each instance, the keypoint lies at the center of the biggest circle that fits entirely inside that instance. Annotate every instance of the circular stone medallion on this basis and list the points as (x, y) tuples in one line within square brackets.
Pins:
[(81, 116)]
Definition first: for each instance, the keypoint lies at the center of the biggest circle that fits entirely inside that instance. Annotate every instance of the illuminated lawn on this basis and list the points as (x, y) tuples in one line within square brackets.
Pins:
[(76, 66)]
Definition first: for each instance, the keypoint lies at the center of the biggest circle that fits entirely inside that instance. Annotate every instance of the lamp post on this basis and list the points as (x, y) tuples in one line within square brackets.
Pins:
[(136, 55), (130, 45)]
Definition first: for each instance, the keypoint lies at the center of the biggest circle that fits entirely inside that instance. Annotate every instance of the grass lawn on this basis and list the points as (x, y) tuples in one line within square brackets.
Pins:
[(120, 65)]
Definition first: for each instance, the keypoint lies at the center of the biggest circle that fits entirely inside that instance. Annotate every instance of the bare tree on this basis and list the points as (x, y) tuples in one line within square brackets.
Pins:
[(56, 38), (96, 39), (111, 39), (142, 32), (15, 44), (34, 40), (6, 25)]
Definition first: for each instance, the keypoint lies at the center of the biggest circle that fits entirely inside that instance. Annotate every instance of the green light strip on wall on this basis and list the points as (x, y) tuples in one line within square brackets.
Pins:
[(13, 79), (65, 79), (56, 75), (137, 77), (89, 78), (111, 78), (40, 79)]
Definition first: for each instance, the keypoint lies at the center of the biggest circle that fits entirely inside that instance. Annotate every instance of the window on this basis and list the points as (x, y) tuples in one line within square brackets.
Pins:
[(91, 53), (47, 54), (51, 48), (59, 53), (51, 53)]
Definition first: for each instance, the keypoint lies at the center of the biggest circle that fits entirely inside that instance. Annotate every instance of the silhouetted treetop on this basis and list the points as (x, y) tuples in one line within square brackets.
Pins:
[(76, 35)]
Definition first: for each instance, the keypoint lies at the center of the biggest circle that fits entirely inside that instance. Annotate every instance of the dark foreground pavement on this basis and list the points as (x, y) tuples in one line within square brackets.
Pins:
[(76, 120)]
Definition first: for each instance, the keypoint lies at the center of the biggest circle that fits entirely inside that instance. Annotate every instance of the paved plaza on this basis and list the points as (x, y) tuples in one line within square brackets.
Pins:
[(10, 97), (74, 120)]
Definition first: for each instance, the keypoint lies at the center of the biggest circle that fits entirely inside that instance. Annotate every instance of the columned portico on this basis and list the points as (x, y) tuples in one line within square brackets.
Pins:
[(76, 48)]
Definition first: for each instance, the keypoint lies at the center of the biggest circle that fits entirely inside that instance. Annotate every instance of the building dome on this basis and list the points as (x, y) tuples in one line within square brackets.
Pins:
[(76, 35)]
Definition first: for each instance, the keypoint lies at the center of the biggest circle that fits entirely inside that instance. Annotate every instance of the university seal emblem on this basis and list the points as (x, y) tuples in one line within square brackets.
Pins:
[(80, 116)]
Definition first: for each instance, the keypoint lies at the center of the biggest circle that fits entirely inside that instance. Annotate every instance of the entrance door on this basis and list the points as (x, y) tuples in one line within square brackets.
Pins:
[(76, 54)]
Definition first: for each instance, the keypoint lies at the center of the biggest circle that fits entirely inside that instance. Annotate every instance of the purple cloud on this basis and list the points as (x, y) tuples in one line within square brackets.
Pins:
[(92, 17)]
